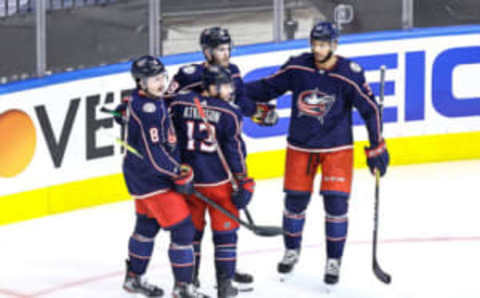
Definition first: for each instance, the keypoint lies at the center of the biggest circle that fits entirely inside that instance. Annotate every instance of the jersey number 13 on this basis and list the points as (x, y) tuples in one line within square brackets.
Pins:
[(208, 144)]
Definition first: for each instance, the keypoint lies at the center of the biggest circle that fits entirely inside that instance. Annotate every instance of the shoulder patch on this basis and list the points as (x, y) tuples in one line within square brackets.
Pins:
[(149, 107), (355, 67), (189, 69)]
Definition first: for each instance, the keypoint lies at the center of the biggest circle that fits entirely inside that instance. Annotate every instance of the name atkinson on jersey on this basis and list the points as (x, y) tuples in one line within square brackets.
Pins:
[(192, 113)]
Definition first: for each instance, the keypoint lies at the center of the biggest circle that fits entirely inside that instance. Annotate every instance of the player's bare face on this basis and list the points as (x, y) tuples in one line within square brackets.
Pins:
[(221, 55), (321, 50), (226, 92), (157, 85)]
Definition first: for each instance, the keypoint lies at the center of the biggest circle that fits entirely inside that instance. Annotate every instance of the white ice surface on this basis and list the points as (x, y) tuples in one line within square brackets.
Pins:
[(429, 233)]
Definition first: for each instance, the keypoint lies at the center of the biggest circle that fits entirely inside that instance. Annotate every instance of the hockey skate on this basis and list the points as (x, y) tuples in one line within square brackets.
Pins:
[(226, 289), (332, 271), (134, 284), (285, 267), (183, 290), (243, 281)]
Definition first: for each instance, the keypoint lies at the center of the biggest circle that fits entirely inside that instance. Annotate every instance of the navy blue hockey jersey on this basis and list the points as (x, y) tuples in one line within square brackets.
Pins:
[(197, 146), (322, 102), (150, 131), (189, 77)]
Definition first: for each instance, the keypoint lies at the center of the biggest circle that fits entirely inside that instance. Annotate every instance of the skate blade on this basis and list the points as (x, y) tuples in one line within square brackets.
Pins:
[(240, 287), (284, 277), (243, 287), (328, 289)]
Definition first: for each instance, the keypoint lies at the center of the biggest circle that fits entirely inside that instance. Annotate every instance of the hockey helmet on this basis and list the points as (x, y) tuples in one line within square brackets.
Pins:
[(324, 31), (213, 37), (216, 75), (146, 66)]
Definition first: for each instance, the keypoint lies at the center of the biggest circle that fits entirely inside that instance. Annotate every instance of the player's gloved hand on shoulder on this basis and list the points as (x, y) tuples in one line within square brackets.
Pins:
[(378, 158), (242, 196), (184, 181), (120, 113), (265, 115)]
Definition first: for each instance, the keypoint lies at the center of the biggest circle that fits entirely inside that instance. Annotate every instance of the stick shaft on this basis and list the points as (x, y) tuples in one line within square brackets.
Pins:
[(223, 160), (201, 111), (379, 273), (223, 210)]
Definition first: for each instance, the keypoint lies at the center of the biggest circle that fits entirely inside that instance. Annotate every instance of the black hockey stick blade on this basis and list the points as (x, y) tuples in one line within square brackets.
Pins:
[(380, 274), (267, 231), (111, 112), (105, 110)]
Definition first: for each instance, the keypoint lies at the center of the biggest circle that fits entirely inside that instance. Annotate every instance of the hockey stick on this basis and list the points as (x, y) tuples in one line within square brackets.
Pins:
[(379, 273), (259, 230), (112, 112), (121, 141), (207, 200)]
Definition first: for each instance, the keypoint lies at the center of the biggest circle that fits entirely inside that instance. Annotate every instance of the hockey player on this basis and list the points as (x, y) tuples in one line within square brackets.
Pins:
[(198, 143), (216, 44), (325, 87), (156, 180)]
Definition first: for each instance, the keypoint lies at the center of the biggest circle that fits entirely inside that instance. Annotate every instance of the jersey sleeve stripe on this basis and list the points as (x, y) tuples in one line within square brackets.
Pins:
[(298, 67), (368, 99), (238, 133), (164, 117), (191, 86)]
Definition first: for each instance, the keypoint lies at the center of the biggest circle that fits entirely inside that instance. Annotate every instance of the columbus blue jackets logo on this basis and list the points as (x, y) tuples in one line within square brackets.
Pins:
[(314, 103)]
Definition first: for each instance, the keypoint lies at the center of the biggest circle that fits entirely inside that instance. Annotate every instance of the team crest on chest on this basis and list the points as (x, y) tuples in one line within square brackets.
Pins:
[(314, 103)]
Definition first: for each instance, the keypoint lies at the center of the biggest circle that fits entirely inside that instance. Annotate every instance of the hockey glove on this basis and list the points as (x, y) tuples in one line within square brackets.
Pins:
[(378, 158), (184, 181), (242, 196), (265, 115)]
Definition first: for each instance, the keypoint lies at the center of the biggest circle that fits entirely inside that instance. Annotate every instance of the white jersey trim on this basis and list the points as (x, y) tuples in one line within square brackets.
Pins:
[(153, 193), (320, 150), (212, 184), (367, 99)]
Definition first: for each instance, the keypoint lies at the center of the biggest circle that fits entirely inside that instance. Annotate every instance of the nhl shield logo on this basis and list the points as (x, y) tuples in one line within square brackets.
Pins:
[(314, 103)]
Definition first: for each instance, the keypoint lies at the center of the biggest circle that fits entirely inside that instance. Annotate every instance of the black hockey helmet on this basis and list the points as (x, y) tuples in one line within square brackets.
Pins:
[(324, 31), (216, 75), (146, 66), (213, 37)]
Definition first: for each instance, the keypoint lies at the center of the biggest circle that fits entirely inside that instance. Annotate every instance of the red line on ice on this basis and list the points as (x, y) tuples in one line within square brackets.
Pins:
[(12, 293), (250, 252)]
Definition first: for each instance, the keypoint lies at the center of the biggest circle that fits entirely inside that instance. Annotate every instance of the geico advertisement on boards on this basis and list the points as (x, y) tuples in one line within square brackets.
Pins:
[(57, 134)]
